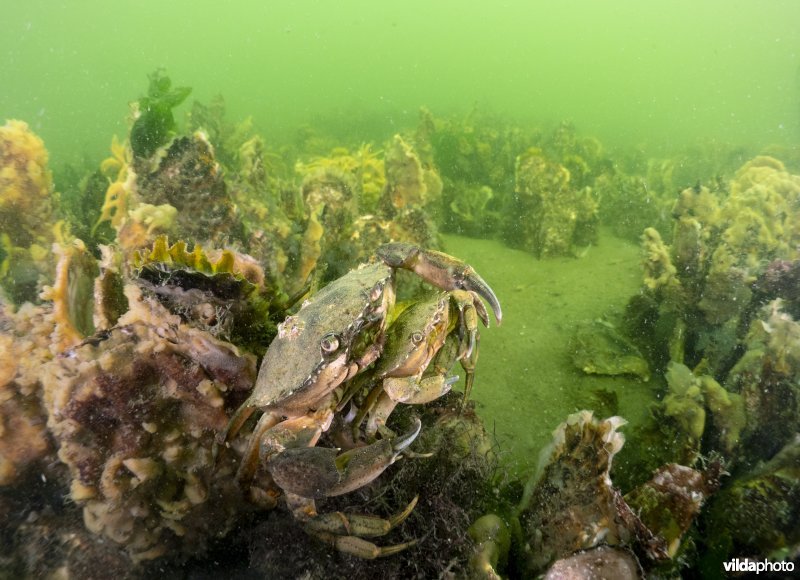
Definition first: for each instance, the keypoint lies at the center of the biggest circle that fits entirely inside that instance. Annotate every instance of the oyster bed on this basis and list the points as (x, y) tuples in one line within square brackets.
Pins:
[(650, 302)]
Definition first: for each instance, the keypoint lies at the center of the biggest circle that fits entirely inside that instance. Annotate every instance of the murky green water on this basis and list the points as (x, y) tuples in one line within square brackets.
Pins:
[(625, 176), (629, 72)]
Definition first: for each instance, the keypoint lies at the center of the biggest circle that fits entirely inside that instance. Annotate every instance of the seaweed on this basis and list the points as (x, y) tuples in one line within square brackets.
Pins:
[(155, 122), (80, 203)]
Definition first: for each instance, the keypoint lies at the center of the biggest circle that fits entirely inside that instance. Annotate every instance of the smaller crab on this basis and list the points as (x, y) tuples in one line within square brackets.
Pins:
[(336, 335), (421, 348)]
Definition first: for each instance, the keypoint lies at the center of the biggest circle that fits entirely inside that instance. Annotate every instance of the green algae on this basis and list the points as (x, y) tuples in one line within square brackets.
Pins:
[(156, 122)]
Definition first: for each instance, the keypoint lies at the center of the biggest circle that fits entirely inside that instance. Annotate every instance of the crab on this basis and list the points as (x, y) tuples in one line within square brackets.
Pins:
[(419, 352), (305, 378)]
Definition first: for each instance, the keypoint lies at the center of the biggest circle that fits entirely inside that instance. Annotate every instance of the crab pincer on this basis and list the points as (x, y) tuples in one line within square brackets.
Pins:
[(319, 472), (309, 473), (440, 269)]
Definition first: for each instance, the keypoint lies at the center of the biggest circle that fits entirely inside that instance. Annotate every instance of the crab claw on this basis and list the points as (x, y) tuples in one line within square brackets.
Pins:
[(317, 472), (440, 269)]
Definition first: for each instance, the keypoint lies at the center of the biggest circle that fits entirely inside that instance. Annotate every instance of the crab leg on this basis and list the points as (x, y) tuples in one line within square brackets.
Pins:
[(273, 435), (468, 364), (368, 408), (249, 465), (408, 390), (440, 269), (238, 419), (308, 473), (362, 548), (346, 531)]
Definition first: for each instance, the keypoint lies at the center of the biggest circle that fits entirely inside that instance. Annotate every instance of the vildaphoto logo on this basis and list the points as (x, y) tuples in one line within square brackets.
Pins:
[(757, 566)]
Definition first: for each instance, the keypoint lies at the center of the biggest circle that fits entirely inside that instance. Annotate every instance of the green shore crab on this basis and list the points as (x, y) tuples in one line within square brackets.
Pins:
[(305, 380), (420, 349)]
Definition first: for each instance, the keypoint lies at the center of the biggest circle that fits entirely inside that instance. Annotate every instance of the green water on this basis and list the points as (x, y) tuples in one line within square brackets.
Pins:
[(658, 73), (648, 80)]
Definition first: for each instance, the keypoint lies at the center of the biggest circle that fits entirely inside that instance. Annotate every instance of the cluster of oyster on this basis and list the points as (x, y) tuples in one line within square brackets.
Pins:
[(122, 357), (573, 522), (717, 321)]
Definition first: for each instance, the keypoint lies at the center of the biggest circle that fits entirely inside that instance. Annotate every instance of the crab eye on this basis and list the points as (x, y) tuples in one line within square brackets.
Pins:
[(329, 343), (416, 337)]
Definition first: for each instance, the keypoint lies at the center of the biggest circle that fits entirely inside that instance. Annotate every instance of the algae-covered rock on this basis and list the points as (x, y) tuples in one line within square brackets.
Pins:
[(599, 348), (685, 402), (725, 296), (25, 345), (659, 271), (765, 377), (600, 562), (711, 279), (758, 515), (692, 399), (781, 280), (363, 168), (728, 414), (187, 177), (570, 503), (26, 213), (409, 182), (60, 546), (134, 412), (469, 208), (558, 217), (671, 500)]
